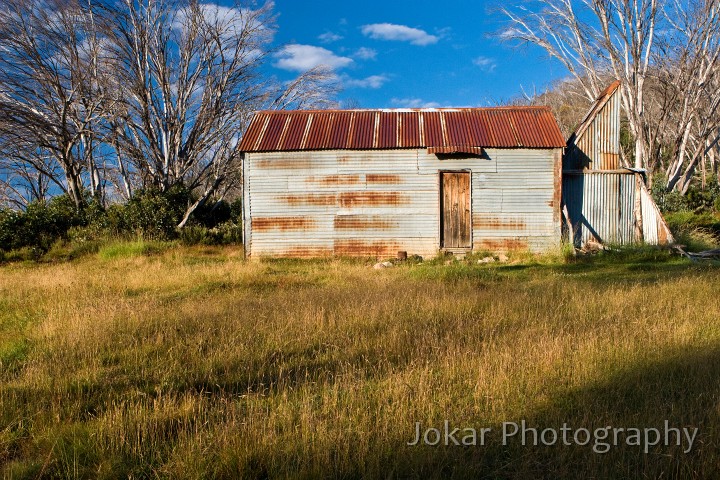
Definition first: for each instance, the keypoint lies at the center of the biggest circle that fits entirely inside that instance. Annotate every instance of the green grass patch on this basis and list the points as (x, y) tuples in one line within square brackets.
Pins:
[(455, 271), (123, 249), (13, 354), (15, 345)]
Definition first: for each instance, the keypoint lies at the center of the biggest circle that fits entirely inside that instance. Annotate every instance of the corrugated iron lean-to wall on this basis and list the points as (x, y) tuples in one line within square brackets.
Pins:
[(605, 201)]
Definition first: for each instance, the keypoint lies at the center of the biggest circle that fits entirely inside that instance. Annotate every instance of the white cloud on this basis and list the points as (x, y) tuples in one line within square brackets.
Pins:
[(373, 81), (444, 32), (301, 58), (413, 103), (486, 64), (403, 33), (329, 37), (364, 53), (232, 24), (230, 20)]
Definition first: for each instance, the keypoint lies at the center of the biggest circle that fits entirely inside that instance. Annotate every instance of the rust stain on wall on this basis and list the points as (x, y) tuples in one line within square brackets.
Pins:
[(346, 199), (359, 199), (382, 179), (492, 222), (364, 248), (335, 180), (284, 224), (363, 222), (610, 161), (500, 244), (313, 199), (307, 252), (283, 163)]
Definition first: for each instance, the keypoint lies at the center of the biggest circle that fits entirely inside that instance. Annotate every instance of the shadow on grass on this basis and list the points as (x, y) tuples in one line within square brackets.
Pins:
[(683, 389), (603, 272)]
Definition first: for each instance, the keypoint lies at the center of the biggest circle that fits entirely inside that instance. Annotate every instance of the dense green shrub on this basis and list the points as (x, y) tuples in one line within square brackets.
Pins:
[(213, 214), (8, 223), (217, 223), (695, 200), (40, 225), (57, 226), (227, 233), (152, 214)]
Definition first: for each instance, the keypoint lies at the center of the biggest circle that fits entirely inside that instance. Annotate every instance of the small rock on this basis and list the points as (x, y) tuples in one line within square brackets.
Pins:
[(503, 258), (486, 260), (381, 265)]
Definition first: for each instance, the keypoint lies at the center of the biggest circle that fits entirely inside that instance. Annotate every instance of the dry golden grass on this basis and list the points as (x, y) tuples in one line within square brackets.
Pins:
[(193, 363)]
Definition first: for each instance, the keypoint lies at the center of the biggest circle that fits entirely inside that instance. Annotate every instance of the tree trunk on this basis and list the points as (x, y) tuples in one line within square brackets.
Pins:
[(200, 202), (639, 235), (74, 188)]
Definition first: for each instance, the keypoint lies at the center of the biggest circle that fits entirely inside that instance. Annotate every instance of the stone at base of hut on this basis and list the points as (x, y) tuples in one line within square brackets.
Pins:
[(381, 265)]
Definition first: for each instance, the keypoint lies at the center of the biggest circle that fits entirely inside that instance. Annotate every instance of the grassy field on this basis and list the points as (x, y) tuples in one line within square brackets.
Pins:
[(180, 362)]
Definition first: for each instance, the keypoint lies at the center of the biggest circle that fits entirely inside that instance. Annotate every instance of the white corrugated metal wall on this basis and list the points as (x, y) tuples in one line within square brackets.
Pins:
[(378, 202), (601, 206)]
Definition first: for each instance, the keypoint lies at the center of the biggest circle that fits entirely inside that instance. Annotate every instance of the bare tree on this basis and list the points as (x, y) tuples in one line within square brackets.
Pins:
[(189, 77), (567, 100), (670, 84), (135, 94), (313, 89), (50, 94), (21, 182), (596, 40), (688, 71)]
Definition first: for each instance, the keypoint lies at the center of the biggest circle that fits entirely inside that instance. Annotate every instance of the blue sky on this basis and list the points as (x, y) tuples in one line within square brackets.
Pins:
[(399, 53)]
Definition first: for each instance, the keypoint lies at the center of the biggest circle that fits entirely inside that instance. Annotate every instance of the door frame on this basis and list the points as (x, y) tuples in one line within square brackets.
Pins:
[(440, 204)]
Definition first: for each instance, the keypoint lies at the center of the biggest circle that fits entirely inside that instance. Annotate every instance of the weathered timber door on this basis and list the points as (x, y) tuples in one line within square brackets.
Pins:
[(455, 210)]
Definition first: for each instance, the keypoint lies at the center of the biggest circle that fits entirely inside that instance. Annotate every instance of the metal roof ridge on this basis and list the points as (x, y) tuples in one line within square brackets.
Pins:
[(407, 110)]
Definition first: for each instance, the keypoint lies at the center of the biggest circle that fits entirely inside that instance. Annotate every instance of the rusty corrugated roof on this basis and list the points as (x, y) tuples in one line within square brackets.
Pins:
[(443, 129)]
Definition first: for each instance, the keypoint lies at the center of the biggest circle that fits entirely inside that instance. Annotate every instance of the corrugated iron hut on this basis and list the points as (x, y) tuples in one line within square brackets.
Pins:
[(376, 182), (606, 202)]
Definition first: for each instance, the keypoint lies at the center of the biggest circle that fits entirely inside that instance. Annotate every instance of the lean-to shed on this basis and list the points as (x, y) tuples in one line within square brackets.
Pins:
[(376, 182), (606, 202)]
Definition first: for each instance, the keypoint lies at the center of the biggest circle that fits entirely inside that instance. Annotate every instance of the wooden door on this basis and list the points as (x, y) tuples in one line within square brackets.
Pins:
[(455, 210)]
